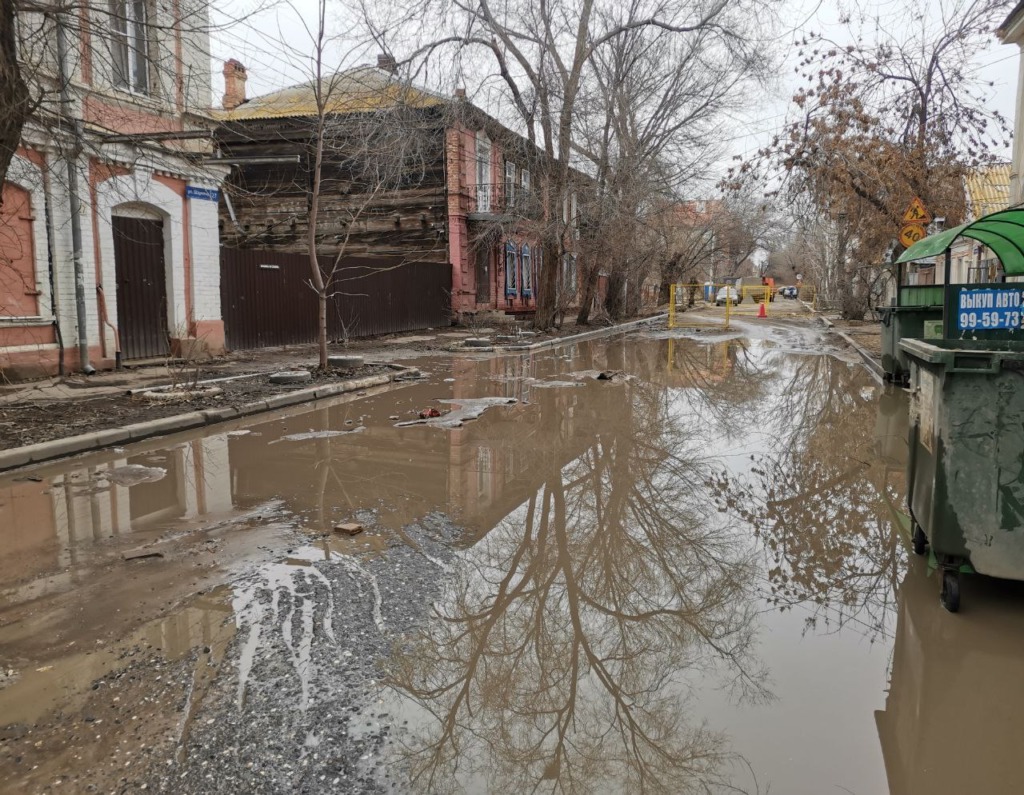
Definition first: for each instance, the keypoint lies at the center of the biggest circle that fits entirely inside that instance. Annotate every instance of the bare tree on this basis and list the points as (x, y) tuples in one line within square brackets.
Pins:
[(541, 58), (893, 113), (360, 142), (648, 127)]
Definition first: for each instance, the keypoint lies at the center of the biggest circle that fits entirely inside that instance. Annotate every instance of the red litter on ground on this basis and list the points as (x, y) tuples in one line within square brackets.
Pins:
[(426, 414)]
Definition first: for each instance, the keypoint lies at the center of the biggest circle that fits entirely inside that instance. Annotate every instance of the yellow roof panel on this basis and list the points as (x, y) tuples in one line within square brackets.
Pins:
[(988, 189), (357, 90)]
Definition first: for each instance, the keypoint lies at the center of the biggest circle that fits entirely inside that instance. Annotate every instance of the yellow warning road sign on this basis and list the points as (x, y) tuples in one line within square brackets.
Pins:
[(917, 213), (910, 234)]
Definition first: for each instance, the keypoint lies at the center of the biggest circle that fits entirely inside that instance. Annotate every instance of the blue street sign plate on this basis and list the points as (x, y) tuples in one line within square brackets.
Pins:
[(206, 194), (979, 310)]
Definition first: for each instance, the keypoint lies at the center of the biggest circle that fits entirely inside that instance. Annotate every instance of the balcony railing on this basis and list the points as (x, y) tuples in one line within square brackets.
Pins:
[(496, 200)]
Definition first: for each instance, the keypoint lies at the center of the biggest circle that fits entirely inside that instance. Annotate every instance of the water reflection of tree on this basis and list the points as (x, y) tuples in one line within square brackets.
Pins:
[(820, 500), (564, 653)]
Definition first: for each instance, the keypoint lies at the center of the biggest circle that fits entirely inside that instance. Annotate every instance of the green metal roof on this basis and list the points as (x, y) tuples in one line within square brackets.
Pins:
[(1002, 231)]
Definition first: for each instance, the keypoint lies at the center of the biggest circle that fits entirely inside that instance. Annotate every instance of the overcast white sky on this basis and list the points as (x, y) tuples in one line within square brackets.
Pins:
[(273, 43)]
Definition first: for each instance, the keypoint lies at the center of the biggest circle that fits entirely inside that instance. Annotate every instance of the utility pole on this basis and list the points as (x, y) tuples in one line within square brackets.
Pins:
[(71, 161)]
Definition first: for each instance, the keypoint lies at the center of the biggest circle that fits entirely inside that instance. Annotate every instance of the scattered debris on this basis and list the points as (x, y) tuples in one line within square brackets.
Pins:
[(352, 528), (466, 409), (141, 554), (345, 361), (428, 413), (302, 437), (182, 394), (616, 376), (297, 562), (291, 377), (134, 474), (30, 479)]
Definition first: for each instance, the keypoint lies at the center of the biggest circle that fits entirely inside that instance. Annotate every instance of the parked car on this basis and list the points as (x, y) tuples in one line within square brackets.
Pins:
[(733, 296), (789, 292)]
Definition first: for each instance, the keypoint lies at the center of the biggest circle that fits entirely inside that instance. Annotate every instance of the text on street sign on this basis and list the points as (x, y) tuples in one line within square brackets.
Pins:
[(910, 234)]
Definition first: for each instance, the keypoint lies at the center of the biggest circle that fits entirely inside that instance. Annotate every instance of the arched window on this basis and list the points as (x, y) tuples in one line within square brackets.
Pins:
[(510, 269), (526, 264)]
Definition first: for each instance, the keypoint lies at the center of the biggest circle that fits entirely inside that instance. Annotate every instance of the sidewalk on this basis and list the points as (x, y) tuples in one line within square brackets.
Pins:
[(864, 336)]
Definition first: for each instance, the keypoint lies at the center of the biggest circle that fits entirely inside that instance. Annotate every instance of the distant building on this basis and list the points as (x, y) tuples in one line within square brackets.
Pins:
[(986, 190), (1012, 32), (470, 198)]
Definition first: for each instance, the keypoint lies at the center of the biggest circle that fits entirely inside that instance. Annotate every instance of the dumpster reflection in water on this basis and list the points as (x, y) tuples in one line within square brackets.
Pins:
[(952, 717)]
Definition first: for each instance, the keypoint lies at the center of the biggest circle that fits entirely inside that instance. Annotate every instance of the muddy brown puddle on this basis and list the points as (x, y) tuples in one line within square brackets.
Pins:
[(688, 575)]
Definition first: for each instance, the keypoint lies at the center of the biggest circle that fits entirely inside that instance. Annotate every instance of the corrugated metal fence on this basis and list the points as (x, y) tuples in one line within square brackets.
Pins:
[(266, 299)]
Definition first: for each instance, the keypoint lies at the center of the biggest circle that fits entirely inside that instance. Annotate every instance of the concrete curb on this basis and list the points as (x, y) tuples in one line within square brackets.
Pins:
[(872, 365), (87, 442), (610, 331)]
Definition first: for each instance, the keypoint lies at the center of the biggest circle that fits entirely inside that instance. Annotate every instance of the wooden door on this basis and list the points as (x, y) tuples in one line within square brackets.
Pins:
[(483, 275), (141, 287), (18, 293)]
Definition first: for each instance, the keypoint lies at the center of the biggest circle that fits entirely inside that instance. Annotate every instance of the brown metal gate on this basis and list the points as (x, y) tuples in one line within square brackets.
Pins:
[(266, 299), (141, 287)]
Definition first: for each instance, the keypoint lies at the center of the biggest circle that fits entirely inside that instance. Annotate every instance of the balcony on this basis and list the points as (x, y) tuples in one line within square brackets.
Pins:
[(503, 203)]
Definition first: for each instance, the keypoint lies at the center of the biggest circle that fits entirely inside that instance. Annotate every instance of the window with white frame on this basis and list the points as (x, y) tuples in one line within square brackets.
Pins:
[(526, 263), (130, 45), (510, 183), (510, 269), (524, 179), (483, 173)]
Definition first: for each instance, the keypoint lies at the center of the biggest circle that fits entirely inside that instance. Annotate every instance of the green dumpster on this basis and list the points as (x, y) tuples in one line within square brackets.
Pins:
[(916, 305), (965, 474)]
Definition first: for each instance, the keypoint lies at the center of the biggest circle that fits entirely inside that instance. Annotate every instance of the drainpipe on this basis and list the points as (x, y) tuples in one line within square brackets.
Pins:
[(74, 200), (50, 262)]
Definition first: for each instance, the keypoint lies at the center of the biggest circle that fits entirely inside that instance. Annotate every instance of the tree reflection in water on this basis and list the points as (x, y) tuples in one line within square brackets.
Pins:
[(822, 501), (564, 654)]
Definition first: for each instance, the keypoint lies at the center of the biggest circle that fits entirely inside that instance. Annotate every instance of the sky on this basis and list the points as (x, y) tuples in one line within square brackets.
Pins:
[(270, 38)]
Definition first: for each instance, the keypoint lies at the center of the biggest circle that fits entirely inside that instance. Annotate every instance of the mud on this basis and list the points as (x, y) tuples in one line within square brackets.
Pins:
[(692, 578), (31, 420)]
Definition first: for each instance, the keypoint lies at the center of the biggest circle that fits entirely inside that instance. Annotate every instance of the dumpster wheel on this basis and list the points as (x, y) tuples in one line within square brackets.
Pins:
[(920, 540), (950, 595)]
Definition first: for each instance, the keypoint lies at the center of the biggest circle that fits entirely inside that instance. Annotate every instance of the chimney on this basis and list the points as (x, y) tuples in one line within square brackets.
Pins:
[(460, 93), (387, 63), (234, 84)]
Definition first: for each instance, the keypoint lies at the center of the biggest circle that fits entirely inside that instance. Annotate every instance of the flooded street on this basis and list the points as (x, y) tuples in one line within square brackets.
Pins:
[(668, 562)]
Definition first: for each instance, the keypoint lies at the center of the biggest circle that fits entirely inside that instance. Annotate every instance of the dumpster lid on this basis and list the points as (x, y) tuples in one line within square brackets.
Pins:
[(1001, 231)]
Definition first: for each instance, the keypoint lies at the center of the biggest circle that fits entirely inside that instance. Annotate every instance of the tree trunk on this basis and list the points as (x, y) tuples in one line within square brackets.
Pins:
[(590, 279), (14, 96), (613, 301), (321, 327), (547, 298)]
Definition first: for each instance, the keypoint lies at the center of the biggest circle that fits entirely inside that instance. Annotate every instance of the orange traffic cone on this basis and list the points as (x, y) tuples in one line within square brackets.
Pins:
[(762, 312)]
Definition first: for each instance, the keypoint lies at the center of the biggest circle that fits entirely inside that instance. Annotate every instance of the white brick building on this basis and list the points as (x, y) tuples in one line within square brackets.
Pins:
[(140, 90)]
